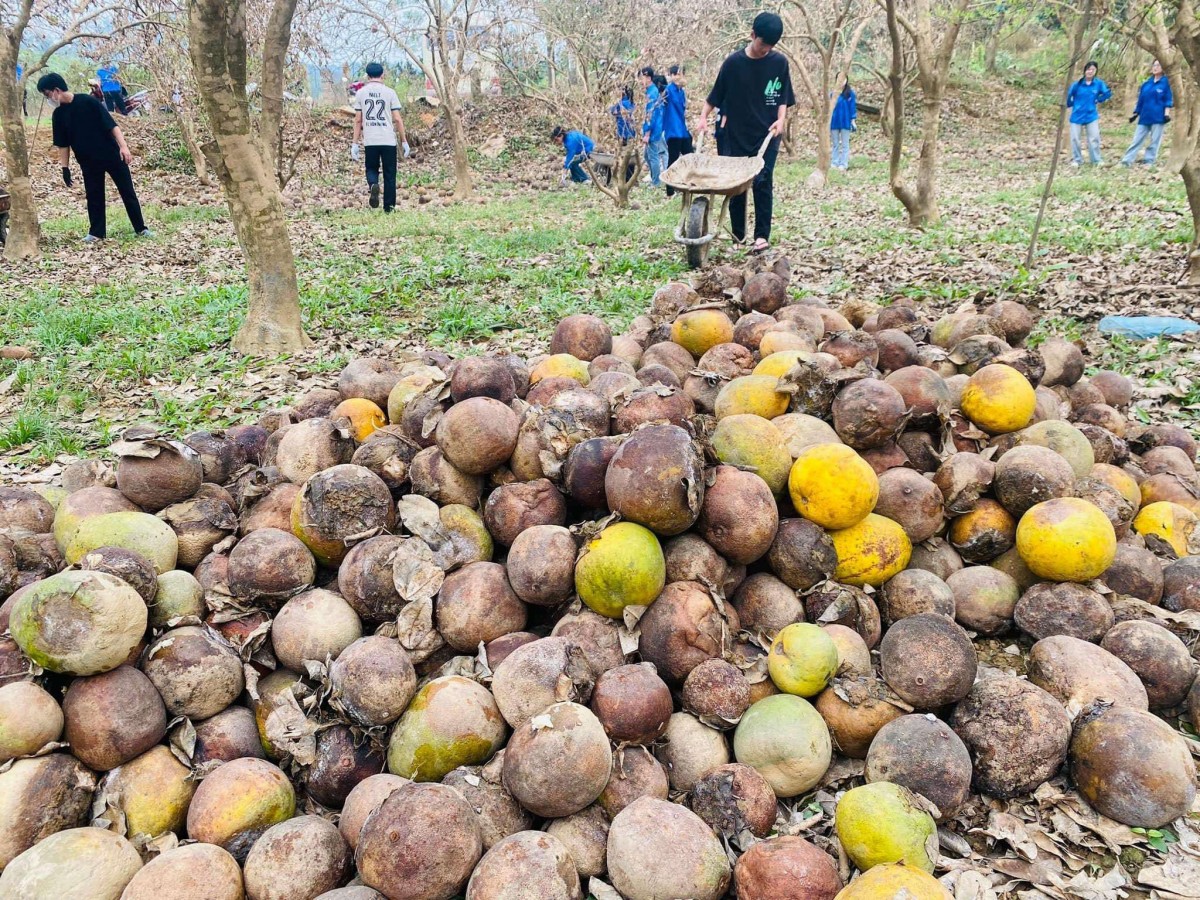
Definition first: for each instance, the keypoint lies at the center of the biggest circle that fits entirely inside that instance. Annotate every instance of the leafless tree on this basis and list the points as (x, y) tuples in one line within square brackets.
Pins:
[(58, 27), (217, 43), (821, 40), (931, 27)]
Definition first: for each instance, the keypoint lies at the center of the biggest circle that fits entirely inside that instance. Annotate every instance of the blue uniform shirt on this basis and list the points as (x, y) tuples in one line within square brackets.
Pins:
[(108, 79), (675, 113), (621, 112), (653, 125), (576, 143), (1154, 99), (845, 111), (1083, 98)]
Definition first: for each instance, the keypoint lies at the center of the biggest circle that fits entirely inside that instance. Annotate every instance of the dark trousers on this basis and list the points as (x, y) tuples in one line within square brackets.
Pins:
[(114, 101), (93, 188), (764, 193), (383, 156), (677, 147)]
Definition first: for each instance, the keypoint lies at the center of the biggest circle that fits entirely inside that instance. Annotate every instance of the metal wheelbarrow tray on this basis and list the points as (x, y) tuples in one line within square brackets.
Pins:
[(699, 177)]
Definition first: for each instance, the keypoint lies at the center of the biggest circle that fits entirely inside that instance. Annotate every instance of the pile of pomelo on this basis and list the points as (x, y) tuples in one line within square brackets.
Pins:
[(494, 626)]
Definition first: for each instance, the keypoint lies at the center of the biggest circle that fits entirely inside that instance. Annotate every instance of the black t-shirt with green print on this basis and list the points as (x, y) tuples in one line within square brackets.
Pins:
[(750, 92)]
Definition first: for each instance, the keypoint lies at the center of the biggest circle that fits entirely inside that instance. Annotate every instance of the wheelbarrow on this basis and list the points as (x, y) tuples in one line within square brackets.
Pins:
[(701, 177)]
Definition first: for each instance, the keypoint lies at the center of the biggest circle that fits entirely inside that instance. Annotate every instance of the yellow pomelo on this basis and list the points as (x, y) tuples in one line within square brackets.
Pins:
[(700, 330), (1170, 522), (1067, 539), (894, 882), (871, 551), (832, 485), (802, 659), (622, 566), (882, 823), (560, 365), (753, 443), (364, 415), (998, 399), (754, 394)]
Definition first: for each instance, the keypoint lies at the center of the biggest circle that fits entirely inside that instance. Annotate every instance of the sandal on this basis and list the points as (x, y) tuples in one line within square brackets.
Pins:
[(760, 246)]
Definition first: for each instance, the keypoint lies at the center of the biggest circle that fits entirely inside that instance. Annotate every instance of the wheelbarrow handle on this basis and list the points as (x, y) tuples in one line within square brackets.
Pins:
[(766, 143)]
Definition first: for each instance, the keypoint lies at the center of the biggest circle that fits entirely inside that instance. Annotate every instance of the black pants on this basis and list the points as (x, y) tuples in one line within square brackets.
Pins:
[(677, 147), (114, 101), (763, 188), (93, 187), (383, 155)]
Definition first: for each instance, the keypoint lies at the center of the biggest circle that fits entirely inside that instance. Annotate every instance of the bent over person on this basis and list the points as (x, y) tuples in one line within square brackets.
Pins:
[(753, 90), (377, 123), (81, 123)]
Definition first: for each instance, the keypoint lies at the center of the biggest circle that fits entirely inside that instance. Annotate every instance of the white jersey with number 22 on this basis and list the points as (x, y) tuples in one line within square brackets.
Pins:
[(376, 101)]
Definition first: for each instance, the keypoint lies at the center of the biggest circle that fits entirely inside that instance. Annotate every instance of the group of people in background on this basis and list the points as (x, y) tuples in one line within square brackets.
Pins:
[(1151, 114), (748, 106)]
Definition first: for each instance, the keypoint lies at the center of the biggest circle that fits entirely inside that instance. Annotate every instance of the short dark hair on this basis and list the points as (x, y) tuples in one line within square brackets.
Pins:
[(1092, 64), (647, 71), (769, 27), (374, 70), (558, 132), (673, 70), (51, 82)]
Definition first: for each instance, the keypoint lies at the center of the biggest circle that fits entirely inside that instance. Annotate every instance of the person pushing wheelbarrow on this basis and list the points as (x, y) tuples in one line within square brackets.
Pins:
[(754, 90)]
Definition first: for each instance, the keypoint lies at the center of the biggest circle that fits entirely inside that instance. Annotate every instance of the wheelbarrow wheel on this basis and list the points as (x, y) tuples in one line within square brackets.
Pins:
[(697, 227)]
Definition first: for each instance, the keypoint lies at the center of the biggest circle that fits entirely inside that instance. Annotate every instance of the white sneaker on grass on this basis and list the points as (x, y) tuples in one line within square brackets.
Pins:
[(145, 233), (91, 239)]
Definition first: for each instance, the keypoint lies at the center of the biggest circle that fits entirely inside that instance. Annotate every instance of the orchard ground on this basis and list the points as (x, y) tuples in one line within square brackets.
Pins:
[(138, 330)]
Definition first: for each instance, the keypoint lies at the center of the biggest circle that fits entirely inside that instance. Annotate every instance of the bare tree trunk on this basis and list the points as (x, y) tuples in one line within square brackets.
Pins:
[(217, 44), (924, 208), (23, 228), (463, 186), (1185, 120), (1190, 172), (191, 140), (993, 44), (274, 61)]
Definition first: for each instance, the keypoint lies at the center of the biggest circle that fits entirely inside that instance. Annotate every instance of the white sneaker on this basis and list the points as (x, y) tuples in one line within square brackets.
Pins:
[(91, 239), (1074, 165), (145, 233)]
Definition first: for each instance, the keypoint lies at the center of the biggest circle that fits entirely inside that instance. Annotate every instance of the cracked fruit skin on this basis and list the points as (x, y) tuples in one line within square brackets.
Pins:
[(623, 566), (882, 823), (833, 486), (894, 882), (1067, 539), (802, 659), (871, 551), (1171, 522), (998, 399), (365, 416)]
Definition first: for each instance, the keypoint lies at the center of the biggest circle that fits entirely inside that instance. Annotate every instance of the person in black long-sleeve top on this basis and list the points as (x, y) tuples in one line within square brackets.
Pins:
[(81, 123)]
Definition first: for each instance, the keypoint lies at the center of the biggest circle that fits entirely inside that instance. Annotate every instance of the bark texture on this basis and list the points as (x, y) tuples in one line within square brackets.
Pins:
[(217, 44)]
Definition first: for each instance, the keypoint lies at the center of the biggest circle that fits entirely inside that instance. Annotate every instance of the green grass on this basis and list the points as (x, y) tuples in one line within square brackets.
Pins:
[(447, 276), (141, 330)]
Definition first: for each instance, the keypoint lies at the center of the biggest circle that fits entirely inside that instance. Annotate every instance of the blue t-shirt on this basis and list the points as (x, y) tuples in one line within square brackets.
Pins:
[(1084, 98), (653, 125), (1154, 99), (108, 79), (675, 113), (845, 111), (576, 143), (622, 113)]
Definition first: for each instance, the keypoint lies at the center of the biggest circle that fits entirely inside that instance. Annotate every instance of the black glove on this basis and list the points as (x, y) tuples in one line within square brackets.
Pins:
[(1133, 118), (67, 176), (1166, 119)]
